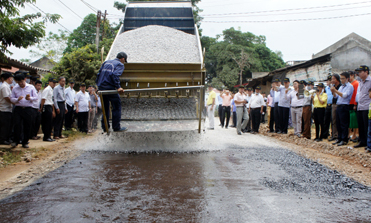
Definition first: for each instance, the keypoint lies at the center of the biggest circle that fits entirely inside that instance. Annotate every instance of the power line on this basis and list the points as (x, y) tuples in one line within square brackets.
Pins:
[(71, 10), (90, 6), (293, 13), (46, 14), (283, 10), (289, 20)]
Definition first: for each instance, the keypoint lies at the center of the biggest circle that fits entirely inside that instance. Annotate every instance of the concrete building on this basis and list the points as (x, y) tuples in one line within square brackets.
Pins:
[(347, 54)]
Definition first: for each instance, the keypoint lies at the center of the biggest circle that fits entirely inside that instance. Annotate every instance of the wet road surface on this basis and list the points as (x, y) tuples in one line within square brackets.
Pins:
[(253, 183)]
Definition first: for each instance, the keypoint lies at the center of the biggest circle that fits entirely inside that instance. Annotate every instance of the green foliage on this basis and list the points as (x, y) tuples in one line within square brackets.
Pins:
[(51, 46), (85, 34), (82, 64), (237, 53), (21, 31)]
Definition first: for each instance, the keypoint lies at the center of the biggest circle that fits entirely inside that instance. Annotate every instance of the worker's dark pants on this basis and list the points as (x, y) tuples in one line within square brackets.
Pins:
[(284, 114), (82, 119), (328, 118), (342, 122), (36, 120), (116, 111), (59, 118), (255, 119), (271, 120), (5, 126), (226, 110), (47, 121), (263, 114), (362, 118), (68, 119), (234, 119), (248, 126), (277, 117), (318, 114), (220, 113), (22, 115)]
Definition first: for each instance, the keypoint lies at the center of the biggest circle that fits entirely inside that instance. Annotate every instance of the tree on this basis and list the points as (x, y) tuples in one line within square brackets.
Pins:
[(21, 31), (236, 55), (82, 64), (51, 46), (85, 34)]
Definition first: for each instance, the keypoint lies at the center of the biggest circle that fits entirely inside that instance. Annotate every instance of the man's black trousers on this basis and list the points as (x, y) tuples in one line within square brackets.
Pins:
[(328, 118), (82, 118), (362, 118), (342, 122), (271, 120), (220, 113), (68, 120), (226, 113), (255, 119), (5, 126), (47, 121), (22, 115), (235, 119), (284, 115), (36, 121), (277, 118), (59, 118)]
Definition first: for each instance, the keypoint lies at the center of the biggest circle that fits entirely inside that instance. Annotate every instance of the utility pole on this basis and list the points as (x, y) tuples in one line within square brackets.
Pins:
[(104, 22), (99, 15)]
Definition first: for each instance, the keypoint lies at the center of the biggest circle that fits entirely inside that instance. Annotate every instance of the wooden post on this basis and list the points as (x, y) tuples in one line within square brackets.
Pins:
[(99, 14)]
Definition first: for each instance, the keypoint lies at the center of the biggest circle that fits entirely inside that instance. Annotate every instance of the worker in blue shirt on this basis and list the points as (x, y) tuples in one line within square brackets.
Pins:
[(328, 111), (108, 78), (343, 95)]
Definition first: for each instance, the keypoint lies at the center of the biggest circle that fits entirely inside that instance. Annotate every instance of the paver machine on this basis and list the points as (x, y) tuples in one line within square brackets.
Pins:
[(165, 74)]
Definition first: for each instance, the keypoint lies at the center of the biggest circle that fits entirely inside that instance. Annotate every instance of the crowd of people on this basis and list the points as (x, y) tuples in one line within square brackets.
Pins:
[(24, 107), (340, 108)]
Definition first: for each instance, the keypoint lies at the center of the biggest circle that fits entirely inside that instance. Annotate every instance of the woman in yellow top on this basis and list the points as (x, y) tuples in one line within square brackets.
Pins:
[(319, 104)]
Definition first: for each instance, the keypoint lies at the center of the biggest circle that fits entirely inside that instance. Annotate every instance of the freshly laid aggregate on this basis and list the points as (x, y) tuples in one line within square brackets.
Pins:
[(304, 175), (158, 108), (157, 44)]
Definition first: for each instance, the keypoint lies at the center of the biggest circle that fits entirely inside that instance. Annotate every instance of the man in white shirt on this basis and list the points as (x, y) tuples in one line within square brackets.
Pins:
[(83, 106), (256, 106), (296, 108), (48, 111), (283, 105), (248, 96), (70, 102), (239, 100), (5, 108), (36, 111)]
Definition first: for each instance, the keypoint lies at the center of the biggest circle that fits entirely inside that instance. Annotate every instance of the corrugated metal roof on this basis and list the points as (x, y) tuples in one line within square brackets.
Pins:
[(22, 66)]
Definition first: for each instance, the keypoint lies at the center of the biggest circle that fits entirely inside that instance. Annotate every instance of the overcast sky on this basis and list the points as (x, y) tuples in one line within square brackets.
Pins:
[(297, 40)]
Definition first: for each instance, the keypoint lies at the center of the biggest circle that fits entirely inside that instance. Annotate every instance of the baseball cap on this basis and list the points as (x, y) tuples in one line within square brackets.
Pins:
[(321, 85), (82, 84), (72, 81), (33, 78), (122, 55), (310, 83), (241, 86), (52, 79), (363, 68), (258, 88), (286, 80), (249, 89), (329, 77)]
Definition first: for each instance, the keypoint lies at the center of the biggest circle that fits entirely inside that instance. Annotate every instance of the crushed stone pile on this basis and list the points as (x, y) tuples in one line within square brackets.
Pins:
[(157, 44)]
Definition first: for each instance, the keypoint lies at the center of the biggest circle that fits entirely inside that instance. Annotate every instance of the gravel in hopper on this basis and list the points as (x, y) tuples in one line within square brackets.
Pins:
[(157, 44)]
